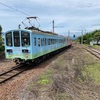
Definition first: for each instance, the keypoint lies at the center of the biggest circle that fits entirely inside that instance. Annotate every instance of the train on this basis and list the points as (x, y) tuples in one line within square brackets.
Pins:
[(32, 45)]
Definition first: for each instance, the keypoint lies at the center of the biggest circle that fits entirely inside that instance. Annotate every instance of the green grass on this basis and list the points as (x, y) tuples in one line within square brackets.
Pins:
[(45, 78), (96, 46), (41, 82), (86, 44), (93, 71)]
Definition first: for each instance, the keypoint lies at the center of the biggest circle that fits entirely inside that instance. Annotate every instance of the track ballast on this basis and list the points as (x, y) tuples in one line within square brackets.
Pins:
[(5, 76)]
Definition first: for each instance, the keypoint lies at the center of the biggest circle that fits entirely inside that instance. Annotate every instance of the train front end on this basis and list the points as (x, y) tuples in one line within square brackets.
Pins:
[(18, 46)]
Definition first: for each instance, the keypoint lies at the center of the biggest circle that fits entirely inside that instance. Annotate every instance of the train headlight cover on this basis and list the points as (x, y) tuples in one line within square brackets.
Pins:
[(25, 51), (9, 50)]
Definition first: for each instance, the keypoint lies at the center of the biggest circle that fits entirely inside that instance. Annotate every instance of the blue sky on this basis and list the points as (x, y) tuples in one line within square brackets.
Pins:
[(73, 15)]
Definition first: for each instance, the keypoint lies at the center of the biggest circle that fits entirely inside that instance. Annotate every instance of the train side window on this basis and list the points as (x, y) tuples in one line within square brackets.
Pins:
[(45, 41), (34, 41), (9, 39), (51, 41), (38, 41), (41, 42), (25, 37), (48, 41), (16, 38)]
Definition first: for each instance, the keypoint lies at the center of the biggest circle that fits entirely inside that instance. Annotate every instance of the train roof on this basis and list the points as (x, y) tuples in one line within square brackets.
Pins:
[(43, 32), (37, 30)]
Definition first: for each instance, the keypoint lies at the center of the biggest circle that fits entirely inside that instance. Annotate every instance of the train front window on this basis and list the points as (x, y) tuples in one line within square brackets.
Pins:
[(16, 38), (9, 39), (25, 36)]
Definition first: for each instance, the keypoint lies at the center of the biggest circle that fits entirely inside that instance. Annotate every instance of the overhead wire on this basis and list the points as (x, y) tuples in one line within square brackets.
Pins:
[(10, 2), (14, 9), (18, 11)]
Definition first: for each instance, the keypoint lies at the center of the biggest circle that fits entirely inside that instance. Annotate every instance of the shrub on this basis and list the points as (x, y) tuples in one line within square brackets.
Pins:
[(2, 48)]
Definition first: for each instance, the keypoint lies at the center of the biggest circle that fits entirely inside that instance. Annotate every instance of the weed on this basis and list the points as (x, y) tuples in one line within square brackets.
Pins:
[(45, 78), (93, 71)]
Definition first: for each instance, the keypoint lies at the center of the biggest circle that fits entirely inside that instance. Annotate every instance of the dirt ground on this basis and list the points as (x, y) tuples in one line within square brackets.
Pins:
[(69, 77)]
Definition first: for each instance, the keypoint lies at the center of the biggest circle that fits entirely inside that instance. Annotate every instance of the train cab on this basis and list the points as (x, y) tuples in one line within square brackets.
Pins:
[(17, 45)]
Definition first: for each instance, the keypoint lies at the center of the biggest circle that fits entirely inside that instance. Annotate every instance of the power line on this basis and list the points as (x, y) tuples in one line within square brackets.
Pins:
[(10, 2), (14, 9)]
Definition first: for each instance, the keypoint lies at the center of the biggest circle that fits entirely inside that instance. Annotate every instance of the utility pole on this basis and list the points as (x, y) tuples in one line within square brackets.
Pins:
[(82, 38), (19, 26), (68, 33), (53, 26)]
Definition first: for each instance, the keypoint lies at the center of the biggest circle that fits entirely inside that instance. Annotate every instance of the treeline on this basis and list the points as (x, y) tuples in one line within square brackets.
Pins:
[(1, 41), (91, 36)]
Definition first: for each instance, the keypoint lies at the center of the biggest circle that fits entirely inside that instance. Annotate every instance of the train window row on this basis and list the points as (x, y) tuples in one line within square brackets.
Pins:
[(45, 41), (15, 39)]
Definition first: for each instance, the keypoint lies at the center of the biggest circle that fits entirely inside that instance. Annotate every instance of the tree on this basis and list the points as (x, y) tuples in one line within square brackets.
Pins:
[(0, 29), (0, 35), (95, 35)]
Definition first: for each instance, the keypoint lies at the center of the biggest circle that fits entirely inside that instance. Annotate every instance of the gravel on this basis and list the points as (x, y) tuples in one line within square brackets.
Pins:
[(9, 90), (15, 89), (6, 64)]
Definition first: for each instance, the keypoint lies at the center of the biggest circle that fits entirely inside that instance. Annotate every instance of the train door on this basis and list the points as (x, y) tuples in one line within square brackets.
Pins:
[(16, 44), (26, 45)]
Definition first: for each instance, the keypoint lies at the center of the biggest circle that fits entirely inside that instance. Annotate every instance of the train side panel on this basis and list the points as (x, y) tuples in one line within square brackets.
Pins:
[(43, 44)]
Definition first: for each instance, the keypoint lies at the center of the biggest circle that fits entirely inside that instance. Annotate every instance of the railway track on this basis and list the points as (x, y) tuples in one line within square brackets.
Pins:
[(5, 76), (94, 52)]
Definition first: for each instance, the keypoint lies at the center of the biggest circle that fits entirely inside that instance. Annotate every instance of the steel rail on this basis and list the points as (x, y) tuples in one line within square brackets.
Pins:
[(14, 68), (94, 52), (10, 73)]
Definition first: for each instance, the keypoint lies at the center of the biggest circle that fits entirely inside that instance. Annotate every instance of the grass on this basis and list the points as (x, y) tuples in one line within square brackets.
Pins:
[(96, 46), (93, 71), (63, 96), (41, 82), (45, 78), (66, 77), (86, 44)]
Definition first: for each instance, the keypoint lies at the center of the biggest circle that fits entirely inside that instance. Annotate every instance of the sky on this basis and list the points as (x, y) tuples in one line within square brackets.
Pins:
[(70, 16)]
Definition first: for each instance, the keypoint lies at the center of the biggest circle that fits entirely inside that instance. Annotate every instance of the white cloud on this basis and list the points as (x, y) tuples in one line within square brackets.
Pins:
[(69, 3), (70, 13)]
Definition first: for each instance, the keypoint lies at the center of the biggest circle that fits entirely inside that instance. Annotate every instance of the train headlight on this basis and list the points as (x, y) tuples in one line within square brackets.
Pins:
[(25, 51), (9, 50)]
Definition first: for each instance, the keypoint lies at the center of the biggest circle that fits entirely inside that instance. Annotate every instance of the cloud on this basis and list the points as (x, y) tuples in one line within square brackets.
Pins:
[(68, 3), (69, 13)]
